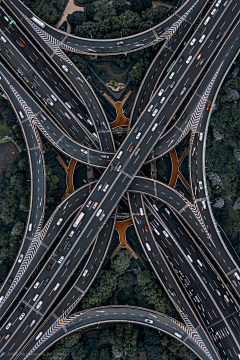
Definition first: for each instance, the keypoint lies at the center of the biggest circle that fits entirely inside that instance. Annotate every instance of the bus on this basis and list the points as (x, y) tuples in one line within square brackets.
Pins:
[(79, 218), (38, 22)]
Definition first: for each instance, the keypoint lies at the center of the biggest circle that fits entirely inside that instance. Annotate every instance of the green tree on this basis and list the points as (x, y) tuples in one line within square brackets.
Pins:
[(121, 262)]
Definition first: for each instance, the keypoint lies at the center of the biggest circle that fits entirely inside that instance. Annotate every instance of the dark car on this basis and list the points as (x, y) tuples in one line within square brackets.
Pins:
[(181, 60), (88, 104), (78, 232), (184, 115), (49, 266), (35, 76), (171, 100), (10, 280), (69, 246), (21, 307), (218, 35), (201, 61), (46, 281), (55, 82), (67, 262), (60, 250), (67, 240), (163, 122)]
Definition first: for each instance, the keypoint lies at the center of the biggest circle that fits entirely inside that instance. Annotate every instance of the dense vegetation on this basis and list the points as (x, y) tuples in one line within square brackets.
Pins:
[(223, 158), (122, 340)]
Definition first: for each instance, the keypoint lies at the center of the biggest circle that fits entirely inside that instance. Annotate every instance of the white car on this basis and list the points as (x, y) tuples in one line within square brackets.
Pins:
[(156, 231), (119, 168), (65, 68), (218, 292), (141, 211), (160, 92), (53, 97), (154, 126), (218, 3), (21, 115), (71, 233), (193, 41), (8, 325), (102, 216), (200, 136), (59, 221), (226, 298), (35, 297), (183, 90), (84, 151), (1, 298), (39, 305), (99, 187), (237, 276), (155, 112), (199, 263), (189, 258), (162, 100), (148, 321), (99, 212), (106, 186), (50, 101), (68, 105), (85, 272), (202, 38), (189, 59), (32, 323), (21, 316), (120, 154), (178, 335), (167, 211), (148, 246), (165, 233), (56, 287), (138, 135), (207, 20), (200, 185), (150, 108), (20, 258), (171, 75), (3, 39), (203, 204), (36, 285), (213, 12), (61, 259), (39, 335)]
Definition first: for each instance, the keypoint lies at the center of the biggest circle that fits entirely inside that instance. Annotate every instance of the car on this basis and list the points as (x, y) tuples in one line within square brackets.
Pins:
[(38, 94), (89, 203), (163, 122), (95, 205), (50, 101), (65, 68), (204, 279), (148, 321), (218, 292), (201, 61), (200, 136), (226, 298), (105, 156), (8, 325), (84, 151), (39, 335), (68, 247), (71, 233), (21, 44), (150, 108), (112, 167), (189, 258), (46, 281), (181, 60), (167, 211), (21, 316), (37, 285), (131, 148), (99, 212), (202, 38), (120, 43), (189, 59), (60, 250), (208, 106), (35, 297), (54, 81), (21, 115), (137, 151), (21, 307), (161, 92), (6, 51), (56, 287), (193, 41), (78, 232), (32, 323), (178, 335), (234, 283), (138, 135), (237, 276), (53, 97), (68, 105), (146, 229), (2, 353), (88, 104), (141, 211), (20, 258), (106, 186), (156, 231), (3, 39), (61, 259), (7, 336), (209, 245), (120, 154), (213, 12), (203, 204), (155, 112), (154, 126), (171, 75), (155, 207), (199, 263), (225, 3), (102, 216), (218, 3), (172, 84), (85, 272), (207, 20), (99, 187), (218, 35), (90, 122), (148, 246), (39, 304), (183, 90), (6, 18), (172, 98), (10, 280), (118, 168), (67, 262), (199, 56), (59, 221), (1, 298), (162, 100), (200, 185)]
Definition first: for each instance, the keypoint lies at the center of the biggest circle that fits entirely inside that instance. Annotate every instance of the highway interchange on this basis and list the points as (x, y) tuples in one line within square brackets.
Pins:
[(182, 243)]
